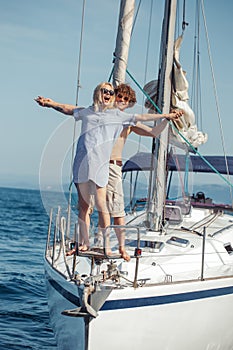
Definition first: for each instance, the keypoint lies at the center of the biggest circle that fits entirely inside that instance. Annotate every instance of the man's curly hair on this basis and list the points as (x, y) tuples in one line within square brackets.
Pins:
[(128, 91)]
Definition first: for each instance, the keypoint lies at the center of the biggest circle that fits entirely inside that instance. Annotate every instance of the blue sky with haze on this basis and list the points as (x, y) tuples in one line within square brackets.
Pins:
[(39, 56)]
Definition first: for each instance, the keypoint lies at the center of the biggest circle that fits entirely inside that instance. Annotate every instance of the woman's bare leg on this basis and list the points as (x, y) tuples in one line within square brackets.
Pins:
[(104, 216), (84, 195)]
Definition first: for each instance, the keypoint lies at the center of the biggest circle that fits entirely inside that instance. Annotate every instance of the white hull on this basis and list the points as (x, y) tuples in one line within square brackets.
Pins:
[(69, 331), (202, 323), (173, 315)]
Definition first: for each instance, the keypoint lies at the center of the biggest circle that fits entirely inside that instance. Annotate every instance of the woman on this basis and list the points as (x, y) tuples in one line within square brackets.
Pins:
[(101, 126)]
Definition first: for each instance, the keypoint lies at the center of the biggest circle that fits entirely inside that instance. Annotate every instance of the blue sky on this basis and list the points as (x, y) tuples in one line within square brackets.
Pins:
[(39, 56)]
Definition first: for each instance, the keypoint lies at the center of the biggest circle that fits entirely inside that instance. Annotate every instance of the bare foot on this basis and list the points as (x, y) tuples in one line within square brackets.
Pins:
[(83, 248), (71, 252), (124, 255), (108, 252)]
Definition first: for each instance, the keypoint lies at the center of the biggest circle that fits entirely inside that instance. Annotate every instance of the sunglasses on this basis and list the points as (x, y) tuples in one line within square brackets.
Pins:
[(125, 98), (106, 91)]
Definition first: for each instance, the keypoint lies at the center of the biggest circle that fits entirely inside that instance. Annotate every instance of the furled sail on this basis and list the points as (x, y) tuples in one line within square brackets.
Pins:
[(186, 124), (123, 40)]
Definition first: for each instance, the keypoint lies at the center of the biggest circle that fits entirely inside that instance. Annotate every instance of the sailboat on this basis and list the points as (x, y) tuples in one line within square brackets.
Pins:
[(176, 291)]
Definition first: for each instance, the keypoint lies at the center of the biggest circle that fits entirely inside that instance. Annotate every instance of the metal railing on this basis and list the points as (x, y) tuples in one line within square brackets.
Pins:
[(58, 244)]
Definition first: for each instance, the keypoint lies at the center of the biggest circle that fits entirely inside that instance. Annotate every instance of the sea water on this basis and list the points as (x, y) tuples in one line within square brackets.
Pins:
[(24, 316)]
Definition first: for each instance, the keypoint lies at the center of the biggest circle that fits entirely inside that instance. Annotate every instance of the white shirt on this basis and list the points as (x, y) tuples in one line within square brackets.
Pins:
[(98, 134)]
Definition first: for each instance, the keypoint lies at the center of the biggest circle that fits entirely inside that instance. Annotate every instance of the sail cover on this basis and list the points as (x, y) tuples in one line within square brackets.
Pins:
[(142, 161)]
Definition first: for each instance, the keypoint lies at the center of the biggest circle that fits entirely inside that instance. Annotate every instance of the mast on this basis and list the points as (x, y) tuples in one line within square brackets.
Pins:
[(157, 196), (123, 41), (157, 189)]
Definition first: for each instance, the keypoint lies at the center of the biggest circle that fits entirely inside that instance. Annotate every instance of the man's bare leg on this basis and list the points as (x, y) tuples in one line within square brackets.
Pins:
[(120, 233)]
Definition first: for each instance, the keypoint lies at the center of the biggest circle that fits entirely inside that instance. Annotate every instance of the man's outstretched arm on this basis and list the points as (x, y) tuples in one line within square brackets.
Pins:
[(144, 130)]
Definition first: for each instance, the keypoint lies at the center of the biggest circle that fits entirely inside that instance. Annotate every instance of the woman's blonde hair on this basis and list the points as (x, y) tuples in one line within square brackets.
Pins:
[(97, 97)]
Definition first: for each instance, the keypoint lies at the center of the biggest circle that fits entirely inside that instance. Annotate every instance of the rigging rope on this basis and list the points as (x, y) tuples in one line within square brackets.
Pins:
[(80, 53), (183, 190), (196, 101), (180, 134), (136, 16), (74, 128), (216, 95), (184, 23), (146, 61)]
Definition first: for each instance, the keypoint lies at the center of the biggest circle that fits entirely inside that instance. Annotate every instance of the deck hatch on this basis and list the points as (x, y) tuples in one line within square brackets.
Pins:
[(181, 242)]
